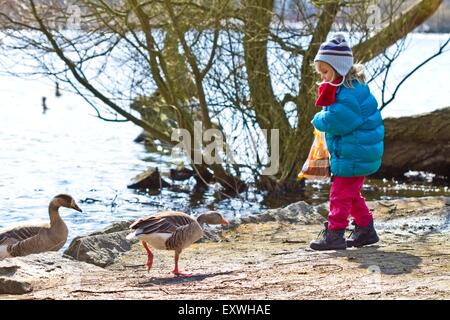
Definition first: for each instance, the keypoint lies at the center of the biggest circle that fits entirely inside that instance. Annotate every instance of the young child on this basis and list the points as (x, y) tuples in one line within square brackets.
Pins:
[(354, 133)]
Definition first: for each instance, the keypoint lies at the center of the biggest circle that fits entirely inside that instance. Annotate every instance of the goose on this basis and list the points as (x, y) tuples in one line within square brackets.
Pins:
[(26, 239), (171, 230)]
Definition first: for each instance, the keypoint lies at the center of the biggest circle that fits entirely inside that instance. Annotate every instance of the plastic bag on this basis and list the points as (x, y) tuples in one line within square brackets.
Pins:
[(317, 166)]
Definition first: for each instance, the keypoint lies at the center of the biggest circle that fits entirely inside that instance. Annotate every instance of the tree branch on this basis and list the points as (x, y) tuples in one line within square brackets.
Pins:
[(85, 83), (194, 66), (440, 51), (399, 28)]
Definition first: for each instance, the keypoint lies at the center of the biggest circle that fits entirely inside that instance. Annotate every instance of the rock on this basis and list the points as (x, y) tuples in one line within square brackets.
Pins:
[(149, 179), (211, 235), (303, 213), (20, 274), (100, 249), (8, 270), (10, 286), (298, 212), (181, 174), (323, 209), (115, 227), (266, 216)]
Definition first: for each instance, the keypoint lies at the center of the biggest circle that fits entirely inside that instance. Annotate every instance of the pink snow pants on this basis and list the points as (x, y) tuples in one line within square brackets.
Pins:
[(346, 200)]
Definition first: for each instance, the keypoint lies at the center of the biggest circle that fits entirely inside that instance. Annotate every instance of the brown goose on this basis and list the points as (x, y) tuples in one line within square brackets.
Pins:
[(34, 238), (171, 230)]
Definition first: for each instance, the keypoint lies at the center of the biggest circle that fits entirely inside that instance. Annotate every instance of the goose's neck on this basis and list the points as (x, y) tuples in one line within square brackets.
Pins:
[(201, 220), (54, 213)]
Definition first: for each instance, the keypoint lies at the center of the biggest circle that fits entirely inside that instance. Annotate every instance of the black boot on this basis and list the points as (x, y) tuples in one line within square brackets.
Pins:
[(332, 240), (362, 236)]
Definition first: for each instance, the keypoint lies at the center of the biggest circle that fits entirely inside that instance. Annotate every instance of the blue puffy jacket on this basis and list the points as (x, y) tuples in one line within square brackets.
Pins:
[(354, 131)]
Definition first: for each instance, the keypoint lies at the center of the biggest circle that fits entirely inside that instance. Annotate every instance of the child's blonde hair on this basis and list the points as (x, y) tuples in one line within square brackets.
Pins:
[(356, 73)]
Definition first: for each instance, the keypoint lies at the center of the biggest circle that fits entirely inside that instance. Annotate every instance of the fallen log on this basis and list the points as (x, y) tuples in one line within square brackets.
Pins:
[(417, 143)]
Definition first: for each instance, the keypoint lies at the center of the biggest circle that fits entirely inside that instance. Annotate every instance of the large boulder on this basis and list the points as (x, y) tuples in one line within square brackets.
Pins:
[(103, 247)]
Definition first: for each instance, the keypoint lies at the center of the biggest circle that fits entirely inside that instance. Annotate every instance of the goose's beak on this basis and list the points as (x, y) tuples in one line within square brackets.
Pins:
[(224, 221), (75, 207)]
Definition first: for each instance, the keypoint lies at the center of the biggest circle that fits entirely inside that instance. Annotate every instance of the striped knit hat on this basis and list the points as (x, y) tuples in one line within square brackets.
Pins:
[(337, 53)]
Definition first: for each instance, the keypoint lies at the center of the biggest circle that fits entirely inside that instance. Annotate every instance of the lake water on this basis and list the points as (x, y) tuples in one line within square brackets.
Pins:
[(426, 90), (69, 150)]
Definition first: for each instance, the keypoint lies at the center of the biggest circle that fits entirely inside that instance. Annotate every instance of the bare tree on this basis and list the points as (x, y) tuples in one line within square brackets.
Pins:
[(239, 67)]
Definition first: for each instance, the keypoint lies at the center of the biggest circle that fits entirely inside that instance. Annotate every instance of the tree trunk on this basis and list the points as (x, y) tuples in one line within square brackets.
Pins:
[(300, 139), (269, 112)]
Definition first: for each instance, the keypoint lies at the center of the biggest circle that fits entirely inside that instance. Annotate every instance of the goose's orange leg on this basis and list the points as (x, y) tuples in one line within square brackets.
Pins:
[(178, 272), (149, 256)]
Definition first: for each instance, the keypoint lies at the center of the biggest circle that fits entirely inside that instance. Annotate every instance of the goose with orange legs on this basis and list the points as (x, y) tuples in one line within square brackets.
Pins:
[(172, 230)]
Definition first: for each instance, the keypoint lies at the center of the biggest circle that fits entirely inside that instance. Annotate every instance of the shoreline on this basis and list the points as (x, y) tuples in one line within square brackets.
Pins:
[(267, 258)]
